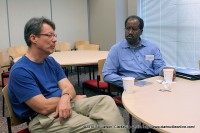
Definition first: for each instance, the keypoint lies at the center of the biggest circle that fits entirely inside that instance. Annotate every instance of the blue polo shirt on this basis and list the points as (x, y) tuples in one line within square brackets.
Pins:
[(28, 79)]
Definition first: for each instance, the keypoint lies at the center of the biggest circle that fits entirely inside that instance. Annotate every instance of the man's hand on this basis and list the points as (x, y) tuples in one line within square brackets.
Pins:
[(63, 109)]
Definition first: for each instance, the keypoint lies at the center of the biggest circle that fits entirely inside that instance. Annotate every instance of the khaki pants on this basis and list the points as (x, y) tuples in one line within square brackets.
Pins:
[(89, 115)]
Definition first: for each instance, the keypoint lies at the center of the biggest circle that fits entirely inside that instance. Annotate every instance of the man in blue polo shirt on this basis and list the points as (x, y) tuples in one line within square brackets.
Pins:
[(41, 94)]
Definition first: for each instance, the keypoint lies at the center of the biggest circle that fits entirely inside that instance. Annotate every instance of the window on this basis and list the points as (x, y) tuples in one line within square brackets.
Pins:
[(174, 25)]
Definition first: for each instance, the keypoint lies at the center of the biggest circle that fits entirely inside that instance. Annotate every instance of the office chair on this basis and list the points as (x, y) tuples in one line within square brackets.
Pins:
[(97, 84), (5, 72), (81, 42), (63, 46), (94, 47), (12, 120)]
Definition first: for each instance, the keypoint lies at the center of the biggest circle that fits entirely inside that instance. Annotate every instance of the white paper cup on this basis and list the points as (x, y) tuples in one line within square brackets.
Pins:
[(168, 75), (128, 84)]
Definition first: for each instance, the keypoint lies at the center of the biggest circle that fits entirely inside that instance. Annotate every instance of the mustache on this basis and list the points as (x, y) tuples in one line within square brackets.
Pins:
[(131, 36)]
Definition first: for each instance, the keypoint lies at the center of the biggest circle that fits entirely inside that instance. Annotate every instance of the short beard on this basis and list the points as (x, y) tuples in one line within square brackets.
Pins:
[(133, 42)]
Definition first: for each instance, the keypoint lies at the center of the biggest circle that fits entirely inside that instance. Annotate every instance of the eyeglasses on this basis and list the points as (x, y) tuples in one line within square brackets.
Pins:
[(132, 29), (49, 35)]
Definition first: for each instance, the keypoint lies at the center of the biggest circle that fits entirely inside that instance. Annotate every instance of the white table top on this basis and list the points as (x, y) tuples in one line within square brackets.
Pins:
[(181, 107), (77, 58)]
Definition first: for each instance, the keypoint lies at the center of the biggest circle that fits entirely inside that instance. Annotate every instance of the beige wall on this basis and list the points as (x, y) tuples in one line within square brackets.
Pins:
[(106, 20), (132, 7), (102, 22)]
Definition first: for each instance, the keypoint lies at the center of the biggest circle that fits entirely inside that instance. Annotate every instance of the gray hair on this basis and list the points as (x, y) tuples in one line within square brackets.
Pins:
[(33, 26)]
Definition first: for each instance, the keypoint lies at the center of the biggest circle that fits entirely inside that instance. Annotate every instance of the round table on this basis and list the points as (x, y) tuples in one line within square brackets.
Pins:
[(177, 111)]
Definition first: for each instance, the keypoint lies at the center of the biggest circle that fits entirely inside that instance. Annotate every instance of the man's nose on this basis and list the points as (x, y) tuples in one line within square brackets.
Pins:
[(54, 39), (130, 31)]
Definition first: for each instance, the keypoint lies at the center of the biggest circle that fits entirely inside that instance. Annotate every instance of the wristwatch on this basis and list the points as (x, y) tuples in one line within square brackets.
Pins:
[(66, 93)]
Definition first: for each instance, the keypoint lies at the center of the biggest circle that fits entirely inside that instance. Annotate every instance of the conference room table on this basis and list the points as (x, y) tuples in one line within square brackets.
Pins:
[(175, 111), (77, 58)]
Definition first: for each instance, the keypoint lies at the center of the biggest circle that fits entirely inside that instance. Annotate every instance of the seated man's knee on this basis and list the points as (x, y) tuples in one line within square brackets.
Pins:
[(107, 98)]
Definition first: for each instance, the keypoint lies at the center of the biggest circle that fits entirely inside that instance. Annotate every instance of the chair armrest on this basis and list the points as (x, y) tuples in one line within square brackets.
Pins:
[(5, 66)]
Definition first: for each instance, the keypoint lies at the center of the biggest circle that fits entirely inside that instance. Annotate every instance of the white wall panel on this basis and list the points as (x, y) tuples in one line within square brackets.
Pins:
[(20, 11), (4, 35), (71, 18)]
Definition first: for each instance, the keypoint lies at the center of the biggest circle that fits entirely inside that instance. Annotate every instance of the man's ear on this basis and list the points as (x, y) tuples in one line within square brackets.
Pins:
[(33, 38), (141, 32)]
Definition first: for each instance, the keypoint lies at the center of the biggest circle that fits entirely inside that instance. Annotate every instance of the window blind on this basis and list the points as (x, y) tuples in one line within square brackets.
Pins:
[(174, 25)]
